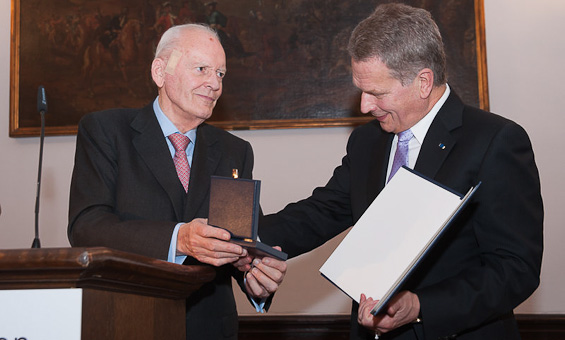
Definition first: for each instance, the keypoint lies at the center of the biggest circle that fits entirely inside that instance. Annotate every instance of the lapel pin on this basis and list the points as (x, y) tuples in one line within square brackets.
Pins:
[(442, 146)]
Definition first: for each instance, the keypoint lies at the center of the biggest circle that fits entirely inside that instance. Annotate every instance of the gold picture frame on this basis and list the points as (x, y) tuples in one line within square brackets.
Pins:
[(287, 63)]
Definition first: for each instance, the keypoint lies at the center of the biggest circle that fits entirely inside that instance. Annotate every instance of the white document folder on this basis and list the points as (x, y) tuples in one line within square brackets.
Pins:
[(392, 236)]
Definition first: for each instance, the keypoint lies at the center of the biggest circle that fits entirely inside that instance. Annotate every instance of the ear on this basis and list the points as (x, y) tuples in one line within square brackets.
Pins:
[(158, 72), (425, 82)]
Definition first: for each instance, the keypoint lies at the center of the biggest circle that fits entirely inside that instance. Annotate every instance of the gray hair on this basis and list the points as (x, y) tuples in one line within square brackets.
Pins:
[(406, 39), (170, 39)]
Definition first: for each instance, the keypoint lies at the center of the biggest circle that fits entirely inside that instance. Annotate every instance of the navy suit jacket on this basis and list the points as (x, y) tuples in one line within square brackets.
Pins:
[(125, 194), (486, 264)]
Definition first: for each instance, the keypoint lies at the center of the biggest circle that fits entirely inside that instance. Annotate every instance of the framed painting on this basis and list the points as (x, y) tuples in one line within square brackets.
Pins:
[(287, 61)]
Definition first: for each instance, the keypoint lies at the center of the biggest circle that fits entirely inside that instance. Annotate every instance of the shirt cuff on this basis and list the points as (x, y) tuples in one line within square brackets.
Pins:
[(259, 305), (172, 257)]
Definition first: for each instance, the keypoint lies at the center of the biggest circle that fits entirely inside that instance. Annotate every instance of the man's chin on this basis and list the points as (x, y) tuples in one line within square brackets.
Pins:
[(385, 126), (205, 115)]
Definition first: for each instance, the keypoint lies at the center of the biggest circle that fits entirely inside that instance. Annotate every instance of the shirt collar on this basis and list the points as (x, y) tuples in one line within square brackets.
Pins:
[(167, 126), (421, 128)]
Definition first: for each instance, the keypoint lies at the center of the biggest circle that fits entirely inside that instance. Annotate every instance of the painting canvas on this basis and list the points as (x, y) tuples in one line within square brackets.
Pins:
[(286, 59)]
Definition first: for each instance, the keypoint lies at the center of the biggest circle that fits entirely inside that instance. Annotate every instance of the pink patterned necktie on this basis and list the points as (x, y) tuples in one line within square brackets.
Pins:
[(180, 142), (401, 155)]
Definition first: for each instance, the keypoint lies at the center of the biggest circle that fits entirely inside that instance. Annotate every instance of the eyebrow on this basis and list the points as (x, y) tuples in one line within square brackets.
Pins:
[(206, 64)]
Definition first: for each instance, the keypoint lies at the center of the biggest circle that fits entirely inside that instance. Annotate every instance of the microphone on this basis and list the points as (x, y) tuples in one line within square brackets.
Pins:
[(42, 108), (41, 100)]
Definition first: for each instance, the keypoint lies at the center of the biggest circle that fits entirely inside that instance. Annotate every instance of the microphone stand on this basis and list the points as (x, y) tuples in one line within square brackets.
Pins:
[(36, 243)]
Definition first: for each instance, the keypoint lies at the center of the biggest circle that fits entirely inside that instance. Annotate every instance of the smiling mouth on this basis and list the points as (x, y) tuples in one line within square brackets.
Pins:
[(379, 116), (207, 98)]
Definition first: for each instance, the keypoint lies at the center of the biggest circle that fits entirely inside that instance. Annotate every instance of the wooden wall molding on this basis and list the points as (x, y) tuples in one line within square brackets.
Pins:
[(336, 327), (541, 326)]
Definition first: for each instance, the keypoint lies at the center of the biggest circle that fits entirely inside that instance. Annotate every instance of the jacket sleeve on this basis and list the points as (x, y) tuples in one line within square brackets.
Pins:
[(309, 223), (93, 216)]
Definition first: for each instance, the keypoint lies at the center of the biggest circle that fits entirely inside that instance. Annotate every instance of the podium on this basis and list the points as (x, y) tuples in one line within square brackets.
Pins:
[(122, 295)]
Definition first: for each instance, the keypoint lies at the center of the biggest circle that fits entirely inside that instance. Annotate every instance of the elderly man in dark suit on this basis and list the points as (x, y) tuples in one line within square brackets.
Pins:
[(490, 259), (142, 176)]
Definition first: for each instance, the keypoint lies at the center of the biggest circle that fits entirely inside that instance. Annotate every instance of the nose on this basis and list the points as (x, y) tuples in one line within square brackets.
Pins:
[(214, 82), (367, 103)]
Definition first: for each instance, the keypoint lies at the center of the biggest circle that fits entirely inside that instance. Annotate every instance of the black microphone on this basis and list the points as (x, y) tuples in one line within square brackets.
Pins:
[(41, 100), (42, 108)]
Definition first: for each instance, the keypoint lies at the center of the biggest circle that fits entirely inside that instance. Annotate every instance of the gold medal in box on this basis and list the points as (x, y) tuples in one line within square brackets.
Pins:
[(234, 206)]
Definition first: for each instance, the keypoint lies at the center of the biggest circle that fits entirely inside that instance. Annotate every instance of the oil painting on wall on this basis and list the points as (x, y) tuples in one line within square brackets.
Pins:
[(287, 61)]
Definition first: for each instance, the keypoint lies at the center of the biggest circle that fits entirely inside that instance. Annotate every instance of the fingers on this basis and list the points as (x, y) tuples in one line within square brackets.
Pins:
[(364, 316), (265, 276), (254, 288), (402, 309), (207, 244), (244, 263), (259, 283), (375, 323)]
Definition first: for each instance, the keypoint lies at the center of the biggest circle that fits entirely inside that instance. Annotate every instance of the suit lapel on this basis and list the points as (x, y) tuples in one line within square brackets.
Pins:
[(206, 158), (150, 144), (437, 145), (378, 165), (439, 139)]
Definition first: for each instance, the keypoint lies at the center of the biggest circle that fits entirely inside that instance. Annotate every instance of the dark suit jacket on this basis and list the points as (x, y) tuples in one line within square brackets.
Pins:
[(486, 264), (125, 194)]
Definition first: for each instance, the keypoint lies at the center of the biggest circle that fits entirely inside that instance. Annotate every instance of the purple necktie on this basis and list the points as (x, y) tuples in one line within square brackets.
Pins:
[(401, 155), (180, 142)]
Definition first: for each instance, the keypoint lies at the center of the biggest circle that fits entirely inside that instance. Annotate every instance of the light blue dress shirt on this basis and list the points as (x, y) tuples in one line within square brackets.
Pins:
[(169, 128)]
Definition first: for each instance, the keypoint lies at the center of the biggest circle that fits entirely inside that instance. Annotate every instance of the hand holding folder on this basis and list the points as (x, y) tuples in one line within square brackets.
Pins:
[(393, 235)]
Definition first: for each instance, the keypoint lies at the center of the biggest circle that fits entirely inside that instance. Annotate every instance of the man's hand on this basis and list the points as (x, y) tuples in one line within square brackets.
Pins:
[(265, 276), (403, 309), (207, 244), (244, 263)]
